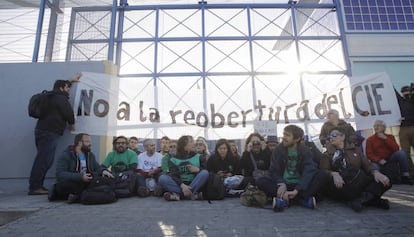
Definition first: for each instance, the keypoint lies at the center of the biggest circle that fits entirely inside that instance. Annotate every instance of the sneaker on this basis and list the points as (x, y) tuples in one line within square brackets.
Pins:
[(309, 203), (52, 195), (279, 204), (143, 191), (73, 198), (197, 196), (39, 191), (407, 180), (158, 190), (171, 196)]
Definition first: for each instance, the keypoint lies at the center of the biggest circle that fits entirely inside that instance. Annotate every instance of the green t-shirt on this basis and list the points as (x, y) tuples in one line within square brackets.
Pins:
[(120, 161), (291, 174), (185, 174), (164, 163)]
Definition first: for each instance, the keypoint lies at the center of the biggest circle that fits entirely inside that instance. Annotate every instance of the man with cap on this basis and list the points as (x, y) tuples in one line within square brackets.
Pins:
[(406, 134)]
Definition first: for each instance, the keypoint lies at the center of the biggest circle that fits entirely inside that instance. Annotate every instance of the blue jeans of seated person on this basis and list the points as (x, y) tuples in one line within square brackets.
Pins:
[(140, 180), (168, 184), (399, 157), (46, 143)]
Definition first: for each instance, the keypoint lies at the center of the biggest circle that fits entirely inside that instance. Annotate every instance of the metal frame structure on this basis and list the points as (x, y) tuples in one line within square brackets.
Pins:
[(104, 33)]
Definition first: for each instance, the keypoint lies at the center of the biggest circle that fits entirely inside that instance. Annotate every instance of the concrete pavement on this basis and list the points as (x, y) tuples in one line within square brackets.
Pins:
[(35, 216)]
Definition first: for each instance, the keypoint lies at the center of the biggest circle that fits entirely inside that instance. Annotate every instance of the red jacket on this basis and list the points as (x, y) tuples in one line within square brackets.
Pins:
[(380, 149)]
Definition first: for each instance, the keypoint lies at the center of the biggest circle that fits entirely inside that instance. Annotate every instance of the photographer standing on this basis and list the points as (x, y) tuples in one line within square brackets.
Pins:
[(406, 103)]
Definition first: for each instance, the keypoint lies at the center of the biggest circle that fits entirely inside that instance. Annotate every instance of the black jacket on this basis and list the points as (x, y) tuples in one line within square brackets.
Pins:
[(60, 112), (228, 165), (407, 109), (68, 166), (306, 166), (262, 161)]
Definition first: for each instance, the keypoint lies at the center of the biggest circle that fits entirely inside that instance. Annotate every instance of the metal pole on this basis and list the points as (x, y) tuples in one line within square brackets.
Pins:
[(51, 34), (112, 32), (39, 30)]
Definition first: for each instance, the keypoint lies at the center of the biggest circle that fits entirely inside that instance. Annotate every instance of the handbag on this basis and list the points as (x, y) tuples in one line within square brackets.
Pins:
[(253, 197), (257, 173)]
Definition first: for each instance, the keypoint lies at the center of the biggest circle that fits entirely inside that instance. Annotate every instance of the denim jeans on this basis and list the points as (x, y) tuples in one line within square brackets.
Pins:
[(46, 143), (168, 184), (399, 157)]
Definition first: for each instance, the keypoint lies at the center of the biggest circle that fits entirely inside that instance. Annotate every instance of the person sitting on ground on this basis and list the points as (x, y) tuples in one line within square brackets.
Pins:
[(354, 179), (271, 142), (234, 149), (333, 121), (123, 159), (222, 162), (149, 166), (201, 147), (133, 145), (75, 168), (381, 148), (187, 173), (255, 151), (164, 143), (293, 175), (172, 151)]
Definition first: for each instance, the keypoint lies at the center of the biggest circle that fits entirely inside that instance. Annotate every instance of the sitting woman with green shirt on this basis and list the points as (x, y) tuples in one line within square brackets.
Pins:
[(187, 173)]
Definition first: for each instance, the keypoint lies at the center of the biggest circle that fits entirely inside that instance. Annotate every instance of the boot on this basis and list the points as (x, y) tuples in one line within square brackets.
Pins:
[(357, 203)]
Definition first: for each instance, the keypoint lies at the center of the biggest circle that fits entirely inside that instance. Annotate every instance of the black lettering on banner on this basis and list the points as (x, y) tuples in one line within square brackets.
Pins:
[(370, 101), (355, 91), (189, 115), (341, 99), (86, 101), (123, 113), (244, 114), (260, 107), (378, 98), (229, 117), (173, 114), (320, 108), (285, 113), (142, 117), (202, 116), (303, 108), (213, 118), (97, 105), (154, 116)]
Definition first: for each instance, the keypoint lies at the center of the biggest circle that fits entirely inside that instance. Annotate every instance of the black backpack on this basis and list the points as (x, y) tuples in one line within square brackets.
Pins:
[(215, 189), (125, 184), (99, 191), (39, 104)]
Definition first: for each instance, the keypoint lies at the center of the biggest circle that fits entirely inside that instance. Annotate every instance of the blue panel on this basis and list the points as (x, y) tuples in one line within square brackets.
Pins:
[(368, 26), (350, 26), (410, 26), (359, 26), (379, 14), (394, 26), (402, 26), (376, 26)]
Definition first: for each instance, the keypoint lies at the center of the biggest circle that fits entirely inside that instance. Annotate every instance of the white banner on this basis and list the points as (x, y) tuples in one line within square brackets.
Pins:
[(107, 105), (373, 98)]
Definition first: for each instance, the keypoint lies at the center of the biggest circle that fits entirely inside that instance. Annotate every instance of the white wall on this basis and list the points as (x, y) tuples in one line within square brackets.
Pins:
[(19, 81)]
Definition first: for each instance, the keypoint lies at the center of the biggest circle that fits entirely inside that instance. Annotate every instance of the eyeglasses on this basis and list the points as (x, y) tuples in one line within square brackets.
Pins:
[(172, 146), (335, 134), (120, 143), (199, 144)]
